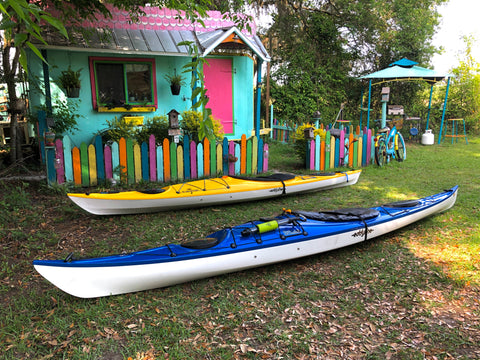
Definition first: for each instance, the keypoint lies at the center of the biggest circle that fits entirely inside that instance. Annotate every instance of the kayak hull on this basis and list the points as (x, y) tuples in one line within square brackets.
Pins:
[(207, 192), (236, 250)]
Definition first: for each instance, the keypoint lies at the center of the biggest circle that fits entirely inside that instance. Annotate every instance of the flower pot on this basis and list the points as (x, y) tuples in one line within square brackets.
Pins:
[(175, 88), (73, 92)]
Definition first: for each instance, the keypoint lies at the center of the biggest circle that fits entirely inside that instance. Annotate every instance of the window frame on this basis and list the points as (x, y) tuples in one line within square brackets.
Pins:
[(150, 107)]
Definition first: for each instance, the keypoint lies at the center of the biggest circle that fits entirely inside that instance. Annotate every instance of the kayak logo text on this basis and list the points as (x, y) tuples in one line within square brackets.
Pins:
[(362, 232), (276, 190)]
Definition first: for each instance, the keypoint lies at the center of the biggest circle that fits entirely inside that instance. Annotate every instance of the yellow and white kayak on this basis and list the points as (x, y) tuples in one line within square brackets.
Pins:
[(226, 189)]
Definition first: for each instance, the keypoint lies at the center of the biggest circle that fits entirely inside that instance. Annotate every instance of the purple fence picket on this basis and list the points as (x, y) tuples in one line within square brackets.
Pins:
[(193, 159), (231, 157), (265, 158), (152, 152), (312, 155), (369, 146), (107, 158)]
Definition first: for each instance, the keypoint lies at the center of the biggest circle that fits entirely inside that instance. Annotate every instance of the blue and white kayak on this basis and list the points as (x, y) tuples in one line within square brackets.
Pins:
[(291, 235)]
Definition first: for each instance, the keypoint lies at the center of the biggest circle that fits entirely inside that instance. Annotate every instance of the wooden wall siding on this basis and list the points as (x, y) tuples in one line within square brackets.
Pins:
[(90, 165)]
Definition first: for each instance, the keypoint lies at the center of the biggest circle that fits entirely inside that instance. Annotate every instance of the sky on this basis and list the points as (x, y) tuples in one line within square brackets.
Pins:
[(459, 18)]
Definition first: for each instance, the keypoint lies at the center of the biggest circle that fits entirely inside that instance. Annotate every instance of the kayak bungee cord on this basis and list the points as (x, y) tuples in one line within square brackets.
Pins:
[(224, 184)]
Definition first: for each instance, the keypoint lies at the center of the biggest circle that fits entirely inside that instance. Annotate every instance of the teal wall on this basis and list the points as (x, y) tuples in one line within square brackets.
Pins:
[(93, 121)]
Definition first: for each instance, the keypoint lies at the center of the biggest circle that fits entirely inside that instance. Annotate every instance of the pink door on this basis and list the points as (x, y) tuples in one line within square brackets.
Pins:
[(219, 85)]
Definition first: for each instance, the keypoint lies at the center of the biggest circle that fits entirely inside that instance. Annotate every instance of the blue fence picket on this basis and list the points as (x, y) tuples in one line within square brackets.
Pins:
[(100, 158), (145, 165)]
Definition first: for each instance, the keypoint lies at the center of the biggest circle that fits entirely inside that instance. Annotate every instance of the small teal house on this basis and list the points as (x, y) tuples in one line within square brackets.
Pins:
[(123, 66)]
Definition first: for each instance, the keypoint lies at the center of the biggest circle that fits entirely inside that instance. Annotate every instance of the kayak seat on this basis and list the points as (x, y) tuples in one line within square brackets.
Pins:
[(200, 243), (273, 177), (208, 242), (353, 214), (402, 204), (151, 191)]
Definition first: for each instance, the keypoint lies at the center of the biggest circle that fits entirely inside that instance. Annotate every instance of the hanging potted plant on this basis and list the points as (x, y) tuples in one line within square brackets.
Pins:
[(176, 82), (70, 81)]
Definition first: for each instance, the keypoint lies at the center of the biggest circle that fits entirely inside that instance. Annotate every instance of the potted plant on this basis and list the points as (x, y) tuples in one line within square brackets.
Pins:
[(70, 81), (176, 82)]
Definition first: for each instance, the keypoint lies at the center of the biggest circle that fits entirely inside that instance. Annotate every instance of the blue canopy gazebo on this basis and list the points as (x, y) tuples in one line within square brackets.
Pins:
[(408, 70)]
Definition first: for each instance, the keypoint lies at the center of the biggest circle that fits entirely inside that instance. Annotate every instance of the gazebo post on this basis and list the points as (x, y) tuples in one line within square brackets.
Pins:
[(444, 110), (429, 106)]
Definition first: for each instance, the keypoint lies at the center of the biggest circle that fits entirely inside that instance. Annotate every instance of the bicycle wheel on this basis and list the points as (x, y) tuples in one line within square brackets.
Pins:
[(381, 152), (401, 150), (344, 161)]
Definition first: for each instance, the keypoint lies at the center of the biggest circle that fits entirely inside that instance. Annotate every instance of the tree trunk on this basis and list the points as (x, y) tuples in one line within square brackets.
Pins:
[(10, 68)]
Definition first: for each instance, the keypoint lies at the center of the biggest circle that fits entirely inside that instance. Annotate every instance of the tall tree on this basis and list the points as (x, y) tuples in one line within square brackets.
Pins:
[(337, 40), (21, 21), (463, 99)]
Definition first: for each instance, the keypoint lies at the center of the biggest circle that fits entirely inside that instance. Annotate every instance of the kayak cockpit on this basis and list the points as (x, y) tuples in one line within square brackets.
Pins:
[(206, 243), (341, 215)]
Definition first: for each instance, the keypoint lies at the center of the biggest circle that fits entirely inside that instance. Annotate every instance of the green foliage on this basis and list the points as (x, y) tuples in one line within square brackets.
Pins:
[(197, 84), (155, 125), (175, 79), (463, 99), (70, 79), (319, 50), (191, 122), (118, 128), (65, 115), (300, 144)]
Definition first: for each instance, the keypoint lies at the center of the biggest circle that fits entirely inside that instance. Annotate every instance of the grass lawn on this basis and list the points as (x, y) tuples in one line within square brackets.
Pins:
[(413, 294)]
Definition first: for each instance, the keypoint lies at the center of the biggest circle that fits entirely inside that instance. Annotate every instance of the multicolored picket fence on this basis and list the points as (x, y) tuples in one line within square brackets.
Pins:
[(282, 132), (347, 148), (128, 162)]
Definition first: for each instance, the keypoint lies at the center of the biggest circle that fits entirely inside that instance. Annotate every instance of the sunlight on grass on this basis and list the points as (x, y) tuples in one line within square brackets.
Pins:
[(456, 252)]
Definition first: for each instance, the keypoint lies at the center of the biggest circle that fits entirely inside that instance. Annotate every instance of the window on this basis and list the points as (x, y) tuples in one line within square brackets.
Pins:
[(123, 83)]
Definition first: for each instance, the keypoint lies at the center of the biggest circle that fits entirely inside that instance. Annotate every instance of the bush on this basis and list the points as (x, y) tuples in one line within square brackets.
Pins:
[(301, 143), (157, 126), (117, 128), (190, 124)]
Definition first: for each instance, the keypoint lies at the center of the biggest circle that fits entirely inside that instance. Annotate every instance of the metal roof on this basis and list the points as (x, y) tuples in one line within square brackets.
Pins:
[(152, 42), (405, 69)]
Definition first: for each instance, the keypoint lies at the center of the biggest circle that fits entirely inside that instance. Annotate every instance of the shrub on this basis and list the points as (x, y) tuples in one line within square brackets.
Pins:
[(190, 124), (118, 128), (156, 125), (301, 143)]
